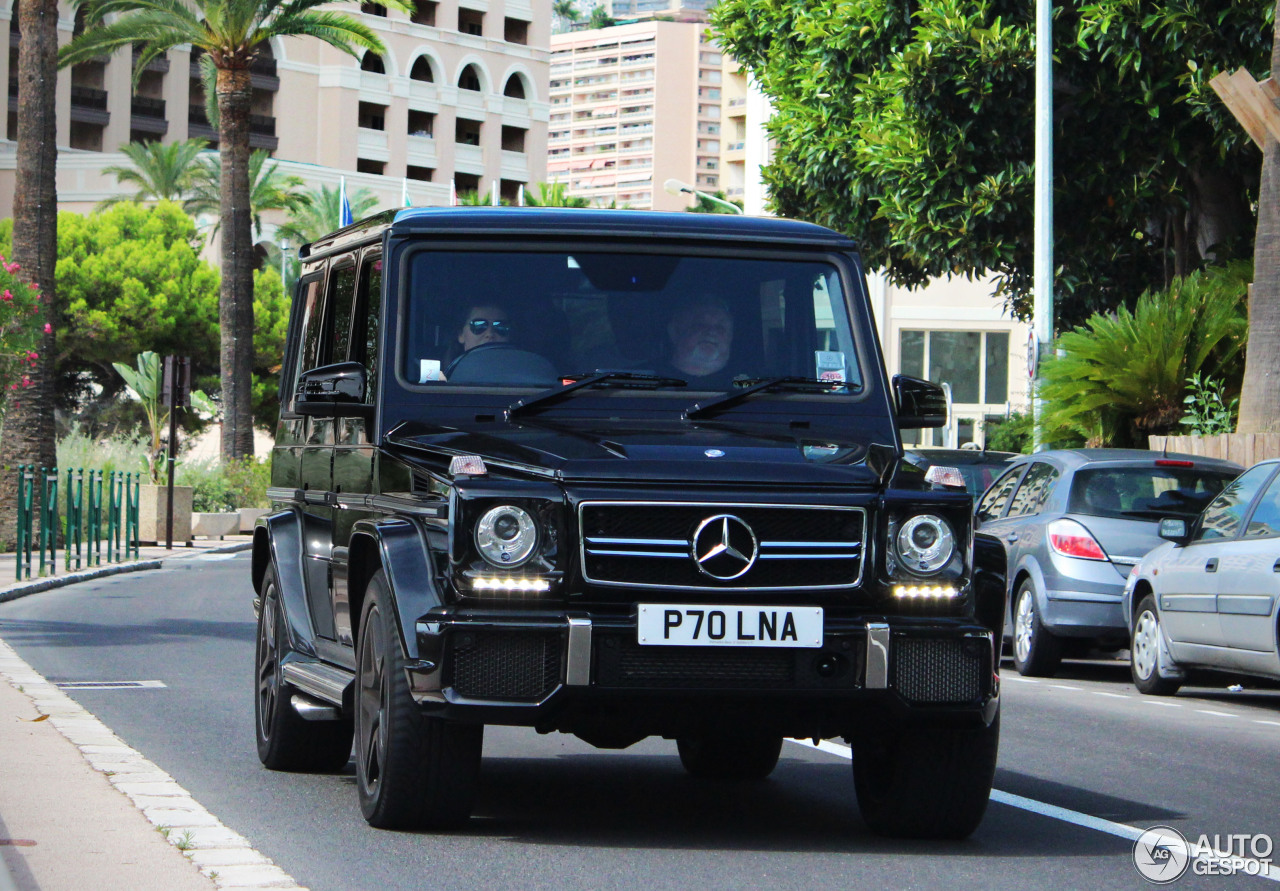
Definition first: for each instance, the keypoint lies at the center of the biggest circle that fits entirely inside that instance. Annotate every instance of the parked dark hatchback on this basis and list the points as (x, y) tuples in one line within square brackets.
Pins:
[(618, 475)]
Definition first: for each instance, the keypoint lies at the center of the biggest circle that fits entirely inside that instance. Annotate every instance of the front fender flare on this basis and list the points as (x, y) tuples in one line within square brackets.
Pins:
[(277, 542), (399, 547)]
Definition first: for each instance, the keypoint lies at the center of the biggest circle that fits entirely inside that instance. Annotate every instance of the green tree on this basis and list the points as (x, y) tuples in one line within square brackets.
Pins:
[(229, 32), (159, 172), (704, 204), (564, 13), (552, 195), (600, 18), (270, 188), (478, 199), (1121, 377), (910, 127), (319, 211)]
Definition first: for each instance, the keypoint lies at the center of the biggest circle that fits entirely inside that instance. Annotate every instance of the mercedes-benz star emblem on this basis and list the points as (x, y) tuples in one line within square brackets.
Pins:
[(724, 547)]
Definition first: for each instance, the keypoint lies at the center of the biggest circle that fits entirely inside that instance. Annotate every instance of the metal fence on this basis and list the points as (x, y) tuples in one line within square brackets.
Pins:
[(98, 512)]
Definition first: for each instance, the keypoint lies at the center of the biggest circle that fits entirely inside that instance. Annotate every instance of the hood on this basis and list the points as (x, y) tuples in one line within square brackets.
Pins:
[(641, 451)]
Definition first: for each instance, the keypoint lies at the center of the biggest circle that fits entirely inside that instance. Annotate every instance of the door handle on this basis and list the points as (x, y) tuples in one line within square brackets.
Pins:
[(1275, 567), (1013, 536), (1211, 565)]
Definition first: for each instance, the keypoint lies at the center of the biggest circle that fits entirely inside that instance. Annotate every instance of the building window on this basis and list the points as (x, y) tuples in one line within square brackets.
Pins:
[(513, 139), (466, 182), (372, 62), (425, 13), (514, 88), (515, 31), (421, 70), (373, 9), (974, 363), (364, 165), (467, 132), (423, 174), (373, 117), (422, 123), (469, 79), (471, 22)]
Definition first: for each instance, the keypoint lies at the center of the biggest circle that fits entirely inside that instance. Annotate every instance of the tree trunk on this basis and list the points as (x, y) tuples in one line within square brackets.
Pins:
[(1260, 393), (235, 304), (28, 436)]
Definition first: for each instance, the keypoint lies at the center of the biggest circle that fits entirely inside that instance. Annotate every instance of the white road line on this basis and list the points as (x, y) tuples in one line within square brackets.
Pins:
[(1271, 723), (1065, 687), (1019, 679), (1075, 818), (1205, 711), (1161, 704), (1112, 695)]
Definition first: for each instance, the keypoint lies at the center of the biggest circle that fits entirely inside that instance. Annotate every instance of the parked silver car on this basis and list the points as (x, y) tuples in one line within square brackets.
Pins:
[(1073, 523), (1208, 597)]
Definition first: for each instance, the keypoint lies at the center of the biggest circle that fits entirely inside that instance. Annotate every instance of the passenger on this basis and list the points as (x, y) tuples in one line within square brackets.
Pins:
[(701, 335)]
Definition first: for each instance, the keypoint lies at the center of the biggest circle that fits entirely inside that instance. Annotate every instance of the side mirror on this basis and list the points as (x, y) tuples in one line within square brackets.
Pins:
[(332, 391), (1174, 530), (920, 403)]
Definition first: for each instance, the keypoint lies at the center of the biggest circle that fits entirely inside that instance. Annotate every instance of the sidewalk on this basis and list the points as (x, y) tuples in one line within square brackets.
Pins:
[(149, 557), (80, 808)]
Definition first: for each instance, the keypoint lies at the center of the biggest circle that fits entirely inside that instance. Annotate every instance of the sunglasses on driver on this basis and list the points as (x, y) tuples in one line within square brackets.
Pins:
[(480, 326)]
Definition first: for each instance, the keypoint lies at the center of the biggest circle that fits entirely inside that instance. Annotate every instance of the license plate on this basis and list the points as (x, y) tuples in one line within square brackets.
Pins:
[(700, 625)]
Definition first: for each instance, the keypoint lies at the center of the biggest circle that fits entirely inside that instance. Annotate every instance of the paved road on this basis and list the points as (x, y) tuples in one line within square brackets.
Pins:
[(1084, 748)]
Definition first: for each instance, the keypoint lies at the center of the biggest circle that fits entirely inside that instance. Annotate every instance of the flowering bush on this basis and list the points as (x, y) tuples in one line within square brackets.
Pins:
[(22, 324)]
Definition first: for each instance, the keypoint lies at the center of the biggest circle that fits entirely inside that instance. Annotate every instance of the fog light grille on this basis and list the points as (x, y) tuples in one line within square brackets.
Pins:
[(939, 669), (506, 665)]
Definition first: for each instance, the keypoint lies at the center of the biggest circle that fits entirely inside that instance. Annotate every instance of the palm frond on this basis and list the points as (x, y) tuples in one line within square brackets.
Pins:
[(159, 172), (335, 28), (269, 188), (320, 213)]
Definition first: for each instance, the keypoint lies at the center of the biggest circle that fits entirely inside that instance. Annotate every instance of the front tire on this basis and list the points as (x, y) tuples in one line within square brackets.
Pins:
[(1144, 652), (412, 770), (730, 755), (927, 782), (286, 741), (1036, 652)]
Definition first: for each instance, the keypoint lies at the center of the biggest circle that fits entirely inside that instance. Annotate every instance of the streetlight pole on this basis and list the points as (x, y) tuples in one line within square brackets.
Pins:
[(1043, 263), (284, 262), (675, 187)]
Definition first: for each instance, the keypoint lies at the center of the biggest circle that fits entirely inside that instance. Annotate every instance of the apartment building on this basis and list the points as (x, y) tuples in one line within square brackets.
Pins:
[(458, 97), (633, 106)]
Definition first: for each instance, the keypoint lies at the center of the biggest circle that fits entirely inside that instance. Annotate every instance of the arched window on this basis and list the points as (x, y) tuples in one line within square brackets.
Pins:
[(514, 87), (422, 70), (469, 79), (372, 62)]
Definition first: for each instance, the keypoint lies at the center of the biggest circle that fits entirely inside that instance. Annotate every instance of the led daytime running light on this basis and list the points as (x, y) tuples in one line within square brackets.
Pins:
[(926, 592), (509, 583)]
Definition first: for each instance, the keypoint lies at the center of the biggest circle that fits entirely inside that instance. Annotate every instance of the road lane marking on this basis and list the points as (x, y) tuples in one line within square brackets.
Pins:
[(1065, 687), (108, 685), (1161, 704), (1270, 723), (1205, 711), (1112, 695), (1075, 818), (1019, 679)]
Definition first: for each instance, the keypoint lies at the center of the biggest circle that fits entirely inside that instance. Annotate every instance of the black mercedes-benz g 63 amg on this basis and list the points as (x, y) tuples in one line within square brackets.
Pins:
[(616, 474)]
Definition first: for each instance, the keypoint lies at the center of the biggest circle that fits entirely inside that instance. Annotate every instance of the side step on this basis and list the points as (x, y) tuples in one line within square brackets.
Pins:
[(325, 682)]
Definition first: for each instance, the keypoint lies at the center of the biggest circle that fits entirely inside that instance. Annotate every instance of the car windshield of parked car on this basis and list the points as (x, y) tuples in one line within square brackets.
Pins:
[(483, 318), (1225, 515), (1145, 492)]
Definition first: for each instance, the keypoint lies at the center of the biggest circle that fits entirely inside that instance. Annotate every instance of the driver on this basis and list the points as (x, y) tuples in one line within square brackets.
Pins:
[(484, 323), (701, 336)]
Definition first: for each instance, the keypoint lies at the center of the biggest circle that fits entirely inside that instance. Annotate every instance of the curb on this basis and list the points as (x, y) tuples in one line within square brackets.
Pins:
[(84, 575)]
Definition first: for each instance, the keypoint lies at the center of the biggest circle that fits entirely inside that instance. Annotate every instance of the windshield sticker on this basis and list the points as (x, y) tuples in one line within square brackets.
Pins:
[(830, 365)]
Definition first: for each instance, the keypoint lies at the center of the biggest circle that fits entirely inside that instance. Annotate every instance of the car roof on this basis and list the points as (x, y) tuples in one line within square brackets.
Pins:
[(1080, 457), (580, 222)]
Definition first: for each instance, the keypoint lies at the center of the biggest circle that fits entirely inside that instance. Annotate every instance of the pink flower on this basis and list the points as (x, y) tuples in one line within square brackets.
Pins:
[(11, 268), (33, 286), (48, 329), (33, 355), (8, 295)]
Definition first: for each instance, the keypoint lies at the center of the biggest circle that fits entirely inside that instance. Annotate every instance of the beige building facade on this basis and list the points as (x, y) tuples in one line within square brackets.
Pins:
[(633, 106), (458, 97)]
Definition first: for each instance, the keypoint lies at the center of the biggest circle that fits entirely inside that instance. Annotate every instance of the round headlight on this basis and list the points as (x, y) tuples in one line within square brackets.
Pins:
[(926, 543), (506, 535)]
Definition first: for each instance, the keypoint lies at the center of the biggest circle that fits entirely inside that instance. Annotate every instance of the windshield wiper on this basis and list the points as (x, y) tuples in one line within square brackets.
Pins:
[(767, 385), (623, 379)]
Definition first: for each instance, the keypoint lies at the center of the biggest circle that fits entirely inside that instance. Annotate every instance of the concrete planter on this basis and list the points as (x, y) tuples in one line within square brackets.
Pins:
[(249, 516), (152, 507), (215, 525)]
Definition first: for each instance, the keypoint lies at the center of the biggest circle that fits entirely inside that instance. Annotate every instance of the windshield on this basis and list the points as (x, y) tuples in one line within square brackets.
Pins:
[(1146, 493), (535, 319)]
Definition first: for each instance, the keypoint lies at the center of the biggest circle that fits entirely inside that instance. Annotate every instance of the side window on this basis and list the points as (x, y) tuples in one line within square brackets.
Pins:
[(1035, 489), (992, 503), (364, 343), (1265, 521), (342, 295), (1225, 514), (309, 341)]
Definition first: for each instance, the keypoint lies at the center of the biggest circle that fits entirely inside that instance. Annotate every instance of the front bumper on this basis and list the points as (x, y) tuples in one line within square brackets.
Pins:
[(547, 670)]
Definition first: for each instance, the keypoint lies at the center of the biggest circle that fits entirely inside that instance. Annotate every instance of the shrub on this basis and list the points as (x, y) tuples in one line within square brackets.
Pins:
[(1016, 433)]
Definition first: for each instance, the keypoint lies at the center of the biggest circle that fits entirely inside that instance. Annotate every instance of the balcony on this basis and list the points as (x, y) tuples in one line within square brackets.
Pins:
[(147, 115), (262, 129), (159, 65), (89, 105)]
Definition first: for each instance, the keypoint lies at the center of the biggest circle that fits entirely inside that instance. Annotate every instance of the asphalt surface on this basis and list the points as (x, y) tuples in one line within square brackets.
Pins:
[(555, 813)]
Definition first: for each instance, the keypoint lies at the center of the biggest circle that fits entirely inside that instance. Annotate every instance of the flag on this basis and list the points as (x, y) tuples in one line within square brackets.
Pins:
[(344, 206), (520, 196), (453, 192), (493, 194), (404, 193)]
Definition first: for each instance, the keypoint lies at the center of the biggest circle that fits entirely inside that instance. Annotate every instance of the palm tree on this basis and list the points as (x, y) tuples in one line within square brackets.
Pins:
[(1260, 393), (565, 13), (269, 189), (600, 17), (552, 195), (318, 213), (229, 32), (160, 172)]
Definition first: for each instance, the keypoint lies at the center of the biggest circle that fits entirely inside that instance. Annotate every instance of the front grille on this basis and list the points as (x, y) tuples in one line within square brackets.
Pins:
[(652, 545), (506, 665), (624, 663), (938, 669)]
